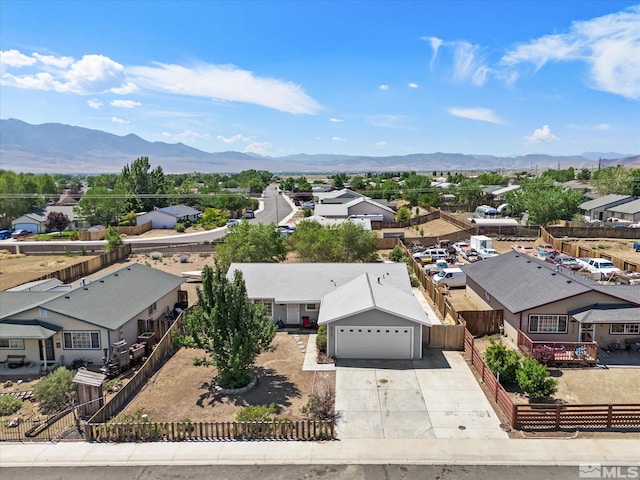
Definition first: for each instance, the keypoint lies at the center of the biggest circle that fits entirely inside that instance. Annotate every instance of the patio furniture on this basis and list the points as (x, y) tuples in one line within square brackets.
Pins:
[(16, 361)]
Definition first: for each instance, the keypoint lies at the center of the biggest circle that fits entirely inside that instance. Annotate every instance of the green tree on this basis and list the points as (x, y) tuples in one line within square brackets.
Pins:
[(213, 217), (613, 180), (346, 242), (356, 243), (358, 183), (502, 361), (543, 200), (113, 238), (492, 178), (56, 222), (403, 214), (252, 243), (100, 206), (414, 187), (231, 329), (339, 179), (469, 193), (533, 378), (141, 183), (584, 174), (18, 195), (55, 391)]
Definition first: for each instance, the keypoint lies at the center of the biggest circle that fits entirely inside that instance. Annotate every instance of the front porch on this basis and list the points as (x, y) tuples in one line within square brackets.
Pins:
[(571, 353)]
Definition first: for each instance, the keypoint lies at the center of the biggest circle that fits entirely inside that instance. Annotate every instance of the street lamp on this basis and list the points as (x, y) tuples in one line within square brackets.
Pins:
[(276, 197)]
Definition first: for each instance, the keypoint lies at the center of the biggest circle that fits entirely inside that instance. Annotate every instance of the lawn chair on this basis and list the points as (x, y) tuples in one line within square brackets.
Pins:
[(306, 322)]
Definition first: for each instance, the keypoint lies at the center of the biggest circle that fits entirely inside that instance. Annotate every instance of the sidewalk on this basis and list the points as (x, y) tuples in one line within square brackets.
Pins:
[(357, 451)]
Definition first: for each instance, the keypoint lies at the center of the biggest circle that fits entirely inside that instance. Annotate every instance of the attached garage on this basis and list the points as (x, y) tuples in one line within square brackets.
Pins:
[(368, 319), (386, 342)]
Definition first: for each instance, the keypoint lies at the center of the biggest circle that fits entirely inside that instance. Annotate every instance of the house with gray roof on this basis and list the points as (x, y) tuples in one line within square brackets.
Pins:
[(553, 304), (35, 222), (361, 207), (167, 217), (596, 209), (84, 321), (368, 308), (629, 211)]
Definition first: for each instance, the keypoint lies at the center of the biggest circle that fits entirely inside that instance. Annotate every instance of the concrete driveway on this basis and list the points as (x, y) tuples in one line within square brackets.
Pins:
[(436, 397)]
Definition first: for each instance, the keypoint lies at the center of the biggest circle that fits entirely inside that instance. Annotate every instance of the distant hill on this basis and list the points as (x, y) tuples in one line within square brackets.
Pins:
[(54, 147)]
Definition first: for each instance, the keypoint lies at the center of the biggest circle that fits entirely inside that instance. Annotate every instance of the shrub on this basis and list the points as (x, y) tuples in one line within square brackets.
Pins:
[(415, 281), (502, 361), (256, 413), (155, 256), (321, 405), (397, 254), (9, 404), (544, 355), (179, 227), (184, 258), (55, 390), (534, 379), (321, 339)]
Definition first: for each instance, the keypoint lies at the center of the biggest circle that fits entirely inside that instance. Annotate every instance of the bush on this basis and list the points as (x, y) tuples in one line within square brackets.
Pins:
[(155, 256), (184, 258), (321, 339), (544, 355), (9, 404), (502, 361), (397, 254), (256, 413), (321, 405), (55, 390), (534, 379), (415, 281), (179, 227)]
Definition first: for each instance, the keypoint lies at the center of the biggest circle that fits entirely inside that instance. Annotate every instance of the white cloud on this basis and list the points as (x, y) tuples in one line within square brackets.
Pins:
[(94, 103), (469, 64), (481, 114), (435, 43), (610, 45), (58, 62), (541, 135), (338, 139), (379, 144), (119, 120), (185, 136), (384, 86), (259, 148), (13, 58), (387, 121), (226, 82), (125, 103), (336, 120), (412, 85), (234, 139), (125, 89), (602, 126)]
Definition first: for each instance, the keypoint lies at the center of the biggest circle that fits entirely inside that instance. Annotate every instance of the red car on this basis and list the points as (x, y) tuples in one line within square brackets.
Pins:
[(565, 261)]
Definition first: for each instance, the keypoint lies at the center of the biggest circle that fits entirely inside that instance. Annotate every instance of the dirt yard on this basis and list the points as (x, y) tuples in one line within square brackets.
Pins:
[(182, 391)]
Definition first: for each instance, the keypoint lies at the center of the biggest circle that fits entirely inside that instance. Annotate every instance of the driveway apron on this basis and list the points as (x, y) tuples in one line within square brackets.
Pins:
[(436, 397)]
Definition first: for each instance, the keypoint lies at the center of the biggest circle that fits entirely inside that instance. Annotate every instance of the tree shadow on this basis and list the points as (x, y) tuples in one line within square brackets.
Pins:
[(272, 387)]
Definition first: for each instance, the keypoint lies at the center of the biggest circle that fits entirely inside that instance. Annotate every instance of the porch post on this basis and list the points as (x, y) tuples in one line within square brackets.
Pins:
[(44, 354)]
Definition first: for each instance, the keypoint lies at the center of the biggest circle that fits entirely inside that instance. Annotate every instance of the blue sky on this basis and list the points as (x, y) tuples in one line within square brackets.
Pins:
[(361, 78)]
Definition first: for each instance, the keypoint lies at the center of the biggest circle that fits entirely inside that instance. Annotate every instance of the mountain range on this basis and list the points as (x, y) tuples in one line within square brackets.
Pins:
[(58, 148)]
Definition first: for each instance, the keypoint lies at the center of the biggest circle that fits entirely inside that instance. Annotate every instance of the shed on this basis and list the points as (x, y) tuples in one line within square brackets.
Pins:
[(89, 388)]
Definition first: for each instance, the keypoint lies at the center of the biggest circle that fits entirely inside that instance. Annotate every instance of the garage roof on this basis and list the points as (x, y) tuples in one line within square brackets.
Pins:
[(363, 294)]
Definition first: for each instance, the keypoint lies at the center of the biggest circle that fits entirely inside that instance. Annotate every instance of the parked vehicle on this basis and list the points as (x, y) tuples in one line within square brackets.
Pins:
[(21, 234), (232, 222), (636, 246), (625, 278), (430, 255), (485, 253), (480, 241), (451, 277), (525, 249), (460, 246), (601, 268), (439, 265), (249, 214), (565, 261), (470, 255), (4, 234)]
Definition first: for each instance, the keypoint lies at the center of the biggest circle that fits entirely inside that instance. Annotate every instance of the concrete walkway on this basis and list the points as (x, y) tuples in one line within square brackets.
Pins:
[(415, 451), (436, 397)]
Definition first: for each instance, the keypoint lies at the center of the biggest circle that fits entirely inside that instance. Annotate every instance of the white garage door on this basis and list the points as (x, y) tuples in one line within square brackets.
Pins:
[(374, 342)]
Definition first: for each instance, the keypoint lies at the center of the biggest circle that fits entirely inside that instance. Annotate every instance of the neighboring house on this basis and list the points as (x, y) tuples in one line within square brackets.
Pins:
[(84, 321), (597, 209), (167, 217), (326, 222), (368, 308), (35, 221), (551, 304), (336, 196), (629, 211), (362, 207), (499, 195)]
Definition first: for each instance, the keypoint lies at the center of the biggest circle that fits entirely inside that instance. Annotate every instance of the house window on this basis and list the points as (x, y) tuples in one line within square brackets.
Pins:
[(311, 307), (624, 328), (43, 313), (152, 308), (268, 307), (12, 343), (81, 340), (548, 323)]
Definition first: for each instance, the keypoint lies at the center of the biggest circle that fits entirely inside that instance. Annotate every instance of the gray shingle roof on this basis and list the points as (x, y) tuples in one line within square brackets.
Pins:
[(14, 302), (309, 282), (114, 299), (629, 207), (606, 313), (36, 329), (179, 211), (604, 201)]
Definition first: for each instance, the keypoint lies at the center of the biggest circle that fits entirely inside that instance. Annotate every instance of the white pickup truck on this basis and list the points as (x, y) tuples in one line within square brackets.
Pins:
[(599, 266)]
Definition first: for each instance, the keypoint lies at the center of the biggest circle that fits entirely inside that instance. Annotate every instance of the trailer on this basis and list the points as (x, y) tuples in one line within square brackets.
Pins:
[(478, 242)]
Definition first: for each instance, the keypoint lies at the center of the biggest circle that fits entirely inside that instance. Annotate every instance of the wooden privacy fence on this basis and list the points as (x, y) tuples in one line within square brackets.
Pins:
[(481, 322), (99, 235), (446, 336), (185, 431), (573, 416)]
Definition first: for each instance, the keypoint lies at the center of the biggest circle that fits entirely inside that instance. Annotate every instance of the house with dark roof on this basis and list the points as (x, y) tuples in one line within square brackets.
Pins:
[(551, 304), (596, 209), (82, 322), (167, 217), (629, 212), (368, 308), (35, 221)]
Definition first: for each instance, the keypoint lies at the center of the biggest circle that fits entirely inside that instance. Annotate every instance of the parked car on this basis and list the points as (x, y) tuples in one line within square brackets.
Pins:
[(565, 261), (460, 246), (485, 253), (4, 234), (625, 278), (451, 277), (430, 255), (249, 214), (232, 222), (636, 246), (21, 234), (526, 249), (599, 267)]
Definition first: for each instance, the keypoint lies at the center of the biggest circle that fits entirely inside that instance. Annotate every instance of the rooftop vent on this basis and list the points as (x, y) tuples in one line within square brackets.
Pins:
[(67, 297), (569, 281), (539, 266)]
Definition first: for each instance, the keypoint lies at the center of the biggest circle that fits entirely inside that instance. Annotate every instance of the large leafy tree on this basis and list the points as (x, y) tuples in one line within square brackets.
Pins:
[(414, 187), (616, 180), (469, 193), (141, 184), (347, 242), (18, 195), (100, 206), (231, 329), (252, 243), (56, 222), (543, 200)]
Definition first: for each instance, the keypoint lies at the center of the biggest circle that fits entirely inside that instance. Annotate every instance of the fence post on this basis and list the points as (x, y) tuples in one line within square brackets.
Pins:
[(609, 416), (558, 417)]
